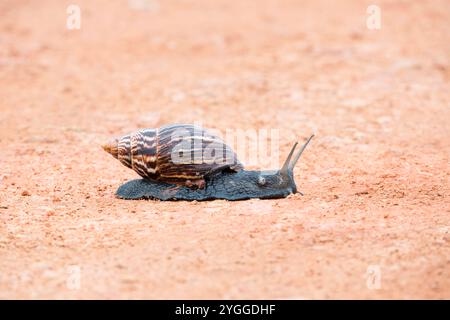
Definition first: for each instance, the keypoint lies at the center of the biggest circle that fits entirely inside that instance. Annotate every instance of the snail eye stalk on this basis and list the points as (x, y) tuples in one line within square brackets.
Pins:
[(299, 153), (284, 169)]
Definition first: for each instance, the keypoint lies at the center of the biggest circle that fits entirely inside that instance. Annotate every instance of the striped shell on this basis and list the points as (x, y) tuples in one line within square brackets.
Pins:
[(175, 153)]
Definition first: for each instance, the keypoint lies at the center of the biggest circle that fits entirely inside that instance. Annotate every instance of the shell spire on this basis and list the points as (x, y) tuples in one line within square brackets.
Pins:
[(112, 147)]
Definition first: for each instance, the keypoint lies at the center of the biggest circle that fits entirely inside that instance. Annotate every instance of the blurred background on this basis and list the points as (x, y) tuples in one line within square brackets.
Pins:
[(371, 80)]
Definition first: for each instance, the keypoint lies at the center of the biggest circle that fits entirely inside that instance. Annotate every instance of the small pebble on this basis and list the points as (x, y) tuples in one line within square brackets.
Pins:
[(50, 213), (25, 193)]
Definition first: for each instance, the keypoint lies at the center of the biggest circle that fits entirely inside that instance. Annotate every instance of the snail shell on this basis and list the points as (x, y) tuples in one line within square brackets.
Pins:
[(180, 154)]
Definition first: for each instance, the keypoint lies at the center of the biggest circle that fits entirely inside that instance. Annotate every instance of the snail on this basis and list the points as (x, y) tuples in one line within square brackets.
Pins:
[(187, 162)]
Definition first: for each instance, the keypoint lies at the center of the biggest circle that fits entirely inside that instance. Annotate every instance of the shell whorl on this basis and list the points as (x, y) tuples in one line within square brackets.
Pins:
[(123, 151), (159, 154), (144, 152)]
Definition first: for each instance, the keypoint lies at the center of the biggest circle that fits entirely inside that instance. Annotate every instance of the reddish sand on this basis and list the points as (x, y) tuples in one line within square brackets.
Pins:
[(375, 218)]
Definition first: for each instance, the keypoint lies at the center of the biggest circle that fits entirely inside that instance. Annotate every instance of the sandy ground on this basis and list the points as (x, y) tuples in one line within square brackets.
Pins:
[(375, 218)]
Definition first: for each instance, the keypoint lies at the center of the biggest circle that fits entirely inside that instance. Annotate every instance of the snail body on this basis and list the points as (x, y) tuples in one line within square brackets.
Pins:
[(241, 185), (185, 162)]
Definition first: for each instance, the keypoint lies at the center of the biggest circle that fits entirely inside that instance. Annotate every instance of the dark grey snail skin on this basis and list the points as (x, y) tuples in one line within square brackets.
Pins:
[(226, 185)]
